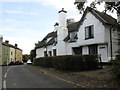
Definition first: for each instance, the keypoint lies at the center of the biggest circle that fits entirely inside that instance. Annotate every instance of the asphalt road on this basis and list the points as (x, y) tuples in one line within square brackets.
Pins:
[(21, 77)]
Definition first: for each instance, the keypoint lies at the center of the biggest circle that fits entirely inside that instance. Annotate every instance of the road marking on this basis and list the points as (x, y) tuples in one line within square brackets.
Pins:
[(4, 84), (5, 75), (14, 84), (8, 69)]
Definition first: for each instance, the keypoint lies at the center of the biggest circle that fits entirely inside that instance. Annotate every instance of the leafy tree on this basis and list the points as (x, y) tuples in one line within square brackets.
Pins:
[(32, 54), (109, 6), (26, 57)]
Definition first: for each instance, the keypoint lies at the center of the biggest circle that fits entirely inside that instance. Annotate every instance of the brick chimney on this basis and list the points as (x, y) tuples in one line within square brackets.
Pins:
[(16, 45), (6, 42)]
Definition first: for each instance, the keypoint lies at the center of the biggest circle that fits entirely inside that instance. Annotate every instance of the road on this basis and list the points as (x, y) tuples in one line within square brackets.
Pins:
[(20, 76)]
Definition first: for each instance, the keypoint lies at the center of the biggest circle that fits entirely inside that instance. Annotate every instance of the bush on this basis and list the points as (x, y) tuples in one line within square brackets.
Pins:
[(115, 71), (69, 62)]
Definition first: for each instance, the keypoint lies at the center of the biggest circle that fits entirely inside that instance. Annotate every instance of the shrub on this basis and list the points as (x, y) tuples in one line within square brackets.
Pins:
[(69, 62), (115, 71)]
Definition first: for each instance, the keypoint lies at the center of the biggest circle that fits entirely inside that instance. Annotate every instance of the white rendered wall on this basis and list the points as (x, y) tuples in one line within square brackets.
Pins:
[(85, 50), (99, 31), (49, 48), (62, 19), (40, 52), (61, 48), (115, 46), (69, 48)]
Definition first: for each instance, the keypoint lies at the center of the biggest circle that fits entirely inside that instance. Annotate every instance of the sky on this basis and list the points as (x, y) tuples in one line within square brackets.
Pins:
[(25, 22)]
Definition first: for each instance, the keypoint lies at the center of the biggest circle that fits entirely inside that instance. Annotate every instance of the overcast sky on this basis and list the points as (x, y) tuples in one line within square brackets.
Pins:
[(28, 21)]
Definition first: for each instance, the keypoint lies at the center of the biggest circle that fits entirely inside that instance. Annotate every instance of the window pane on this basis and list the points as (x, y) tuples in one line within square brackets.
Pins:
[(87, 32), (92, 31)]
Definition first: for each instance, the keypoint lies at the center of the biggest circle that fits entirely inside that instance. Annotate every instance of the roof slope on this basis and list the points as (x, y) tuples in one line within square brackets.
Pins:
[(9, 45), (106, 18), (103, 17), (51, 35), (72, 27)]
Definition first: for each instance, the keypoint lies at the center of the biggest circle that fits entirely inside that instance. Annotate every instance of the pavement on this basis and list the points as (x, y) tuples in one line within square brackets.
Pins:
[(100, 78)]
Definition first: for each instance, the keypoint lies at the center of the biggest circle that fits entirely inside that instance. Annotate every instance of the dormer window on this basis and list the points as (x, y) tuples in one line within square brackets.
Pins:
[(48, 39), (73, 36), (89, 32), (45, 41)]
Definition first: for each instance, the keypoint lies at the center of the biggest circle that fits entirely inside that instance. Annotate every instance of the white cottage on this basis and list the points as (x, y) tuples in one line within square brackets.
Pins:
[(95, 33)]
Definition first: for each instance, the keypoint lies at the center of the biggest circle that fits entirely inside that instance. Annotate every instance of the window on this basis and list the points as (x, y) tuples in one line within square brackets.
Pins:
[(45, 53), (77, 50), (93, 49), (50, 53), (73, 36), (11, 53), (54, 52), (89, 32)]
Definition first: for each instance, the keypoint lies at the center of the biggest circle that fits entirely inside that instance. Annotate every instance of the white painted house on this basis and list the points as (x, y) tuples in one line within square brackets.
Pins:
[(95, 33)]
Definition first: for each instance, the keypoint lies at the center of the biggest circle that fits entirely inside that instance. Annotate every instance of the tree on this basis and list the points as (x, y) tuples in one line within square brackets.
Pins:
[(25, 57)]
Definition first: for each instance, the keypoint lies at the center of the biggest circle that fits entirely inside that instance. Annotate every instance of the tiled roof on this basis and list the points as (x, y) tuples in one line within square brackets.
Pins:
[(72, 27), (51, 35), (107, 19), (9, 45), (103, 17)]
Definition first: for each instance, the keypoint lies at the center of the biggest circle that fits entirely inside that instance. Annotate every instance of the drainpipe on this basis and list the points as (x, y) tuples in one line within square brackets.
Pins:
[(111, 43)]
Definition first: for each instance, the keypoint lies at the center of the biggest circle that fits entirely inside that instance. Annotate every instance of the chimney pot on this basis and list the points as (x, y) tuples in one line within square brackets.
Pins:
[(15, 45), (6, 42)]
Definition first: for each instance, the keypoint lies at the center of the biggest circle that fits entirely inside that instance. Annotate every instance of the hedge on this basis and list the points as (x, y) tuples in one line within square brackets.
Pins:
[(69, 62), (115, 71)]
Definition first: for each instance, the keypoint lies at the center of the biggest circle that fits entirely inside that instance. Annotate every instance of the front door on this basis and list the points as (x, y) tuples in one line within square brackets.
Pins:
[(104, 53)]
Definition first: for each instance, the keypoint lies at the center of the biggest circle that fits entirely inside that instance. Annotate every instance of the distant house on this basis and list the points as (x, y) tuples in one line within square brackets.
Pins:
[(9, 53), (5, 53), (95, 33)]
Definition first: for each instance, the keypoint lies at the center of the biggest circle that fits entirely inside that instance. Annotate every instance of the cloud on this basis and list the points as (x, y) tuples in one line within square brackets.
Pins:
[(67, 4), (25, 38), (19, 12)]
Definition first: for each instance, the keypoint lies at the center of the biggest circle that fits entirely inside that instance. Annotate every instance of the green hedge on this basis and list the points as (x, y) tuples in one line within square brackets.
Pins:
[(69, 62), (115, 71)]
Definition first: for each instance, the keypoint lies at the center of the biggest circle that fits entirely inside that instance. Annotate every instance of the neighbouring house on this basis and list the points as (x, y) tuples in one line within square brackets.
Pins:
[(18, 53), (10, 53), (95, 33), (5, 53)]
